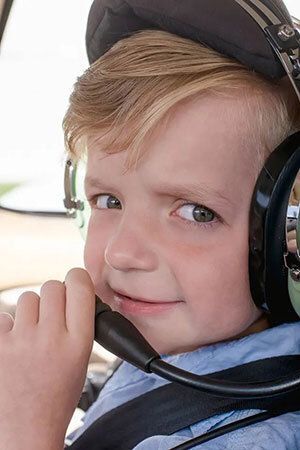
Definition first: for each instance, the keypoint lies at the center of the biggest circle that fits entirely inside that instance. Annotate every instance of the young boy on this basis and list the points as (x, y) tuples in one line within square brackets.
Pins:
[(175, 136)]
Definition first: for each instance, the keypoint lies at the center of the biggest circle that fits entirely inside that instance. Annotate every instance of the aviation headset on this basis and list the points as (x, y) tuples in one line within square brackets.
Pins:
[(262, 35)]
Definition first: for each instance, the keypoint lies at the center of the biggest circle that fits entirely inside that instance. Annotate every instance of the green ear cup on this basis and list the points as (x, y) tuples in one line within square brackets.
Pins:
[(82, 216), (298, 231), (294, 286), (294, 292)]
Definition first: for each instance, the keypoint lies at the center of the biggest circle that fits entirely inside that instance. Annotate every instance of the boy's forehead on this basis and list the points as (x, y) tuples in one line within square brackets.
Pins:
[(205, 137)]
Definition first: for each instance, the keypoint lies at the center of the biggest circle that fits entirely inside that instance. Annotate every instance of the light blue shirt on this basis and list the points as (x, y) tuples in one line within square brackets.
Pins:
[(278, 433)]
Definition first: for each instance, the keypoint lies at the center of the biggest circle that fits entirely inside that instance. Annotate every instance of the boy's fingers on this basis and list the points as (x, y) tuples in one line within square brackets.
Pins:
[(80, 304), (53, 305), (27, 311), (6, 322)]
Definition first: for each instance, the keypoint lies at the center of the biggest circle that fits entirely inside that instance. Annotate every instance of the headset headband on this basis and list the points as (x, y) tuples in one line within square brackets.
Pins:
[(283, 36), (260, 34)]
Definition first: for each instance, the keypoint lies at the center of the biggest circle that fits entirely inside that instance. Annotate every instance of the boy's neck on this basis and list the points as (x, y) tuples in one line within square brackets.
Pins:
[(260, 324)]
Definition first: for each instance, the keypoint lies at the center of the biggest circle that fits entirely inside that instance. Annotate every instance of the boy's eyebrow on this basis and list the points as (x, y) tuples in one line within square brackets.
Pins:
[(191, 190)]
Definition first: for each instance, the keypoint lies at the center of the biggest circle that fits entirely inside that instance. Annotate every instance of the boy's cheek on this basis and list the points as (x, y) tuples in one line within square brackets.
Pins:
[(93, 258)]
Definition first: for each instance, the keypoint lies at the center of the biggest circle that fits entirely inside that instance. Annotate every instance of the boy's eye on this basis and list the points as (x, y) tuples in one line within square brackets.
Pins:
[(104, 201), (198, 213), (191, 213)]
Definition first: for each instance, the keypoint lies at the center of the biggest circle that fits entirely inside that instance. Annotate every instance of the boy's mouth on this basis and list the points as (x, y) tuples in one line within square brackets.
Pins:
[(127, 304)]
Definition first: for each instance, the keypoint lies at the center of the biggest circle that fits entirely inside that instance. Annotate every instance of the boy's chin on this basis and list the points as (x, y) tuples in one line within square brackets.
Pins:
[(167, 341), (168, 344)]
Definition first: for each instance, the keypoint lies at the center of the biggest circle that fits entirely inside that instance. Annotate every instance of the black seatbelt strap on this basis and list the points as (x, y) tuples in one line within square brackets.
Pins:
[(172, 407)]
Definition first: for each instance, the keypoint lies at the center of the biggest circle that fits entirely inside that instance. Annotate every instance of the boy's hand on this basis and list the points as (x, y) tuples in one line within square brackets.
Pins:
[(44, 355)]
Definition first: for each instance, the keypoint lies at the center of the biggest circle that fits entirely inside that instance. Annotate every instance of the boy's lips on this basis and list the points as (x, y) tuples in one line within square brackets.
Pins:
[(126, 303), (139, 299)]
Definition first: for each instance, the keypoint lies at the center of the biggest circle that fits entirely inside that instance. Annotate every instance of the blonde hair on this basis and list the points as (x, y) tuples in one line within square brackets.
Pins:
[(129, 90)]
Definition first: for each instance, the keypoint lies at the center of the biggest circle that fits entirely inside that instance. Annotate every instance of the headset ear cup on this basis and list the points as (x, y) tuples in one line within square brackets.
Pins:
[(271, 286), (82, 215), (294, 293), (298, 231), (294, 286), (82, 220)]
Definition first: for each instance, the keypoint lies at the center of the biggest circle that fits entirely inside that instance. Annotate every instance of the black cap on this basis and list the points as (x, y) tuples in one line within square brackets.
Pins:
[(222, 25)]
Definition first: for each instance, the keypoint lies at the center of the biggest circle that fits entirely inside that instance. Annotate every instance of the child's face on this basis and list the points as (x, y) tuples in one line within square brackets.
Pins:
[(149, 241)]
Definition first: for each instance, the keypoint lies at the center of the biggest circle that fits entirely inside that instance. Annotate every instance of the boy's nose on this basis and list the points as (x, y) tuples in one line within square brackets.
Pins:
[(130, 250)]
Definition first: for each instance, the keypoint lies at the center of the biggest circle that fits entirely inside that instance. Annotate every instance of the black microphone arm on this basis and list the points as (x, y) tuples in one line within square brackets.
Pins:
[(120, 337)]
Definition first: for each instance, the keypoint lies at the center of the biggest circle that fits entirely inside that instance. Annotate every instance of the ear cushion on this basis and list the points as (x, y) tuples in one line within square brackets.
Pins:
[(222, 25), (267, 231)]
